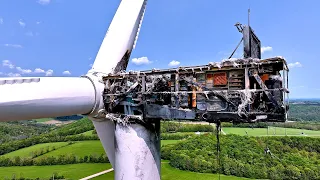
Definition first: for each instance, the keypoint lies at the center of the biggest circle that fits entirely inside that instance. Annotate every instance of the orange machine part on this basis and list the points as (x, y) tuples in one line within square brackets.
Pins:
[(194, 97), (264, 77), (220, 78)]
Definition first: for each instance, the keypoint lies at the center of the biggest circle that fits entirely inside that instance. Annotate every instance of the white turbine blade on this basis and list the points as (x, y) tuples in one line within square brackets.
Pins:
[(115, 50), (32, 98), (113, 56), (105, 130)]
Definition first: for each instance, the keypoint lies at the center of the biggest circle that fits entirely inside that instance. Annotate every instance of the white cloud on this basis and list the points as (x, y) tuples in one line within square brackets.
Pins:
[(13, 45), (43, 2), (174, 63), (7, 63), (265, 49), (140, 61), (38, 70), (293, 65), (66, 72), (13, 74), (90, 65), (38, 22), (24, 71), (22, 24), (49, 72), (1, 20), (29, 33)]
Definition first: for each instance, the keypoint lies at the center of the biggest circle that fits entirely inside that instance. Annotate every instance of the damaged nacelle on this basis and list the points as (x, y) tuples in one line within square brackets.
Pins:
[(238, 90)]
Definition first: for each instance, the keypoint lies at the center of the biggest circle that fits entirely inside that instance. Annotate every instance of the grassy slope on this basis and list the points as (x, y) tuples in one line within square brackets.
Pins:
[(44, 119), (170, 173), (88, 133), (26, 152), (263, 131), (77, 171), (165, 142), (80, 148), (72, 171), (83, 148)]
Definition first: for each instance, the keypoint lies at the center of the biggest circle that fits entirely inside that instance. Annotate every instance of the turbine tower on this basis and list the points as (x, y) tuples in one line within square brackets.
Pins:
[(126, 107), (133, 150)]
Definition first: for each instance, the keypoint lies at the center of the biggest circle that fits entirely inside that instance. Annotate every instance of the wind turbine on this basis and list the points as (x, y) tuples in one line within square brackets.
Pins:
[(132, 150)]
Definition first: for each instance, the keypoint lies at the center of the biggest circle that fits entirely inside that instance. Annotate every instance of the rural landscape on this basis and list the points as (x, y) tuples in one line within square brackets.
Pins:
[(69, 148), (102, 90)]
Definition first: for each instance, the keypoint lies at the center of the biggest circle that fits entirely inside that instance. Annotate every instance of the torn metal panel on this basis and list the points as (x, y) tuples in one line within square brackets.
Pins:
[(165, 112)]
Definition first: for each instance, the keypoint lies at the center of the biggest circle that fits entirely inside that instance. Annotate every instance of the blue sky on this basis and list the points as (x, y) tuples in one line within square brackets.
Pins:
[(62, 37)]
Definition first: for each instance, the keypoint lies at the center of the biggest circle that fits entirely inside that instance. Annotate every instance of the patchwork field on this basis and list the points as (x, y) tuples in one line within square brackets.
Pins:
[(72, 171), (169, 173), (78, 171), (272, 131), (27, 152), (79, 148), (85, 147)]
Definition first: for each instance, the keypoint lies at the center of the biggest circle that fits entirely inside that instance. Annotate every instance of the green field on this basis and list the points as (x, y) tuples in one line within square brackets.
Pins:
[(43, 119), (273, 131), (82, 148), (26, 152), (165, 142), (79, 148), (72, 171), (77, 171), (170, 173), (87, 133)]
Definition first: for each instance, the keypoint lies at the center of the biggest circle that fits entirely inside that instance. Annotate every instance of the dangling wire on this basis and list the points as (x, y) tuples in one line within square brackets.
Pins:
[(218, 131)]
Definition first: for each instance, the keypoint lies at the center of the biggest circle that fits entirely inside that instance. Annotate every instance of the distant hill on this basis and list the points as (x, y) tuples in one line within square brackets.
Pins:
[(21, 130), (304, 111), (69, 118)]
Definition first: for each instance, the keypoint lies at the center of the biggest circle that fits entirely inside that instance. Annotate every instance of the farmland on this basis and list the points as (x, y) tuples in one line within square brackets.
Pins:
[(77, 171), (271, 131), (74, 151)]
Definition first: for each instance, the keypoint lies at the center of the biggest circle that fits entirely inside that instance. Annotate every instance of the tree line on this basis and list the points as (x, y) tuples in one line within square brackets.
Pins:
[(315, 126), (10, 131), (304, 112), (69, 132), (51, 160), (250, 157)]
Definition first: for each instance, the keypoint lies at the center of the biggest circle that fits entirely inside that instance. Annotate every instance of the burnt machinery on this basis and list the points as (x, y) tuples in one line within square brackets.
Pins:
[(248, 89)]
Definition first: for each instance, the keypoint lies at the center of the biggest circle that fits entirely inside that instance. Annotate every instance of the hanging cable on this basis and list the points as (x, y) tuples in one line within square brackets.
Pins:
[(218, 131)]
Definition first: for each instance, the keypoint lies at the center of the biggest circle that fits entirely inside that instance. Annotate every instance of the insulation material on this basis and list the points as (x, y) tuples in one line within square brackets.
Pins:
[(220, 78)]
